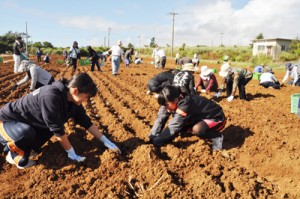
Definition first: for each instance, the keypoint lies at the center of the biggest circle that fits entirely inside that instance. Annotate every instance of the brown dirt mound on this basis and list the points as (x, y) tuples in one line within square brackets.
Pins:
[(260, 158)]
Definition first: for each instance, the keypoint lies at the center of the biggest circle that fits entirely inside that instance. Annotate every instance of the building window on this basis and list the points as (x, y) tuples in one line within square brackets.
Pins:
[(283, 48), (261, 47)]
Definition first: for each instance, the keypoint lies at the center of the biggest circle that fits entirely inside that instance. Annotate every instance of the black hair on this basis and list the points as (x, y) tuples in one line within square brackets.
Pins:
[(84, 83), (168, 94)]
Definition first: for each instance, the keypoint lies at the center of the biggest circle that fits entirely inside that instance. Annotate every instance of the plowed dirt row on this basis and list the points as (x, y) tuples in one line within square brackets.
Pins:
[(260, 158)]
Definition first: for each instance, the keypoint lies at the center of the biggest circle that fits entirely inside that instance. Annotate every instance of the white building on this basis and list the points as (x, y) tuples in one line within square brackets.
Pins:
[(271, 47)]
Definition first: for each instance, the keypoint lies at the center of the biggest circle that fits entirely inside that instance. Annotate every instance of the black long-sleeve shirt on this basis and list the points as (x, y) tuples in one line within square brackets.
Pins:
[(46, 107)]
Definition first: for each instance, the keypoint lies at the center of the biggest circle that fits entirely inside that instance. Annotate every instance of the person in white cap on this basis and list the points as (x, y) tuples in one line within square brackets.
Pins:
[(207, 80), (234, 78), (116, 57), (268, 80), (39, 76)]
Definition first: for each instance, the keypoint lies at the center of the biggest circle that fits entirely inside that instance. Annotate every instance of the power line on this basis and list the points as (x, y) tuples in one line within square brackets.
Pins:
[(173, 19)]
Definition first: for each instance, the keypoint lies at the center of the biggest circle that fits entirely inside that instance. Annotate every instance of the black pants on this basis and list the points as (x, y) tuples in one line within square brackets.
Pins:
[(95, 62), (74, 63), (270, 84), (241, 86), (21, 138), (163, 62)]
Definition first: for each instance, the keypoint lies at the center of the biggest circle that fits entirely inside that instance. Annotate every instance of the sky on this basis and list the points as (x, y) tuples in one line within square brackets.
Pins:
[(196, 22)]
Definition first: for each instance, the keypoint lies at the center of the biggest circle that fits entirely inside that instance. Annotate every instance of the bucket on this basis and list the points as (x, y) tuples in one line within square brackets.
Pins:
[(1, 60), (295, 98), (256, 76)]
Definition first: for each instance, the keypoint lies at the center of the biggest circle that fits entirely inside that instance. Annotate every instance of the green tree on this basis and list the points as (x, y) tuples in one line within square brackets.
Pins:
[(37, 45), (259, 36), (130, 45), (47, 44), (7, 41)]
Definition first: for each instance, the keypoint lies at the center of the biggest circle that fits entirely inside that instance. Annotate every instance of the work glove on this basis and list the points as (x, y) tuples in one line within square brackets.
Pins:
[(230, 98), (218, 94), (203, 91), (73, 156), (109, 144)]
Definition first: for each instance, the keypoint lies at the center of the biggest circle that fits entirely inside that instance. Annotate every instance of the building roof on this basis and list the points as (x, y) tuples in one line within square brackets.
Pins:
[(275, 39)]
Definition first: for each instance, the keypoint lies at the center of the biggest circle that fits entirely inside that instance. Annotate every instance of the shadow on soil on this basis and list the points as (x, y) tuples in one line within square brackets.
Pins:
[(234, 136)]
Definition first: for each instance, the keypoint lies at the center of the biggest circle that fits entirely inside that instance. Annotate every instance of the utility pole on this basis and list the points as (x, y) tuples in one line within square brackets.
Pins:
[(139, 41), (104, 41), (221, 38), (173, 19), (109, 29), (26, 36)]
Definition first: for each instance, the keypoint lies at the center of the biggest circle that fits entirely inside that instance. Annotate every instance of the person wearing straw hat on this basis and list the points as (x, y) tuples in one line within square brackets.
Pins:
[(185, 79), (234, 78), (191, 114), (207, 80), (116, 57), (268, 80)]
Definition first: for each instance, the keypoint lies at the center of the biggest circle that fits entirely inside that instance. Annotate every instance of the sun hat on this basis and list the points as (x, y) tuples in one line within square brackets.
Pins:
[(24, 66), (269, 70), (205, 72), (225, 70), (189, 67), (119, 42)]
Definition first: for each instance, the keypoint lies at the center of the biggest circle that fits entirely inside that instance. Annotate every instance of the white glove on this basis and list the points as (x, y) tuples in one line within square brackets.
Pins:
[(109, 144), (73, 156), (217, 95), (203, 91), (230, 98)]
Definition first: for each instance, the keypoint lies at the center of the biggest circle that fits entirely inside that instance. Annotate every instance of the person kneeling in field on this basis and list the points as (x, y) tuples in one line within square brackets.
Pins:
[(268, 80), (29, 122), (39, 76), (198, 115), (207, 80), (157, 83)]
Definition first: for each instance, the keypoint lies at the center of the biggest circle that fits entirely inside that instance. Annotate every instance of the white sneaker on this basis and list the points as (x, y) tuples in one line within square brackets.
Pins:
[(10, 160), (217, 143)]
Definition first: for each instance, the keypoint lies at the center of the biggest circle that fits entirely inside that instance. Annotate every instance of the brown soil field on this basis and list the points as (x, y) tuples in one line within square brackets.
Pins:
[(259, 159)]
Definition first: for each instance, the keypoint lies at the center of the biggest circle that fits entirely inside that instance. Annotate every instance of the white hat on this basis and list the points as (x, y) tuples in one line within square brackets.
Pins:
[(119, 42), (24, 66), (225, 70), (189, 67), (205, 72)]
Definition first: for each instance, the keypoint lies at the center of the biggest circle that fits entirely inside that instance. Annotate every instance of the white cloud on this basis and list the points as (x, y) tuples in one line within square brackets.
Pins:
[(205, 21)]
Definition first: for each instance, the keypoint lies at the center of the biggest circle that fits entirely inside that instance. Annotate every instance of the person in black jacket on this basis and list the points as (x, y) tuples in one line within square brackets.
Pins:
[(94, 58), (29, 122), (192, 113), (18, 49), (185, 79), (157, 83)]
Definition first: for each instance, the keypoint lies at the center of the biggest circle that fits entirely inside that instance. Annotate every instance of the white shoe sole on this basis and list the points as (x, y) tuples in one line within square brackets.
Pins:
[(11, 161)]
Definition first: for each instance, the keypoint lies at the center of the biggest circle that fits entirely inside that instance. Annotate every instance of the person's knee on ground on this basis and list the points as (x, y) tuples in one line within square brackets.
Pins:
[(22, 136)]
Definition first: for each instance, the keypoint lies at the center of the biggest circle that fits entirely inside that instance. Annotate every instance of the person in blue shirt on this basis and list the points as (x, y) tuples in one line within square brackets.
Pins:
[(259, 68), (39, 55), (29, 122)]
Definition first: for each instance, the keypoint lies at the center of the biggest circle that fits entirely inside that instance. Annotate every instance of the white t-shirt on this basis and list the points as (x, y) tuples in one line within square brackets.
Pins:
[(116, 51)]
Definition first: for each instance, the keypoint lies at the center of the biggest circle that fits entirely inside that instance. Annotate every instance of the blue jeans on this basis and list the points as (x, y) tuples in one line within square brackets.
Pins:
[(115, 64)]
